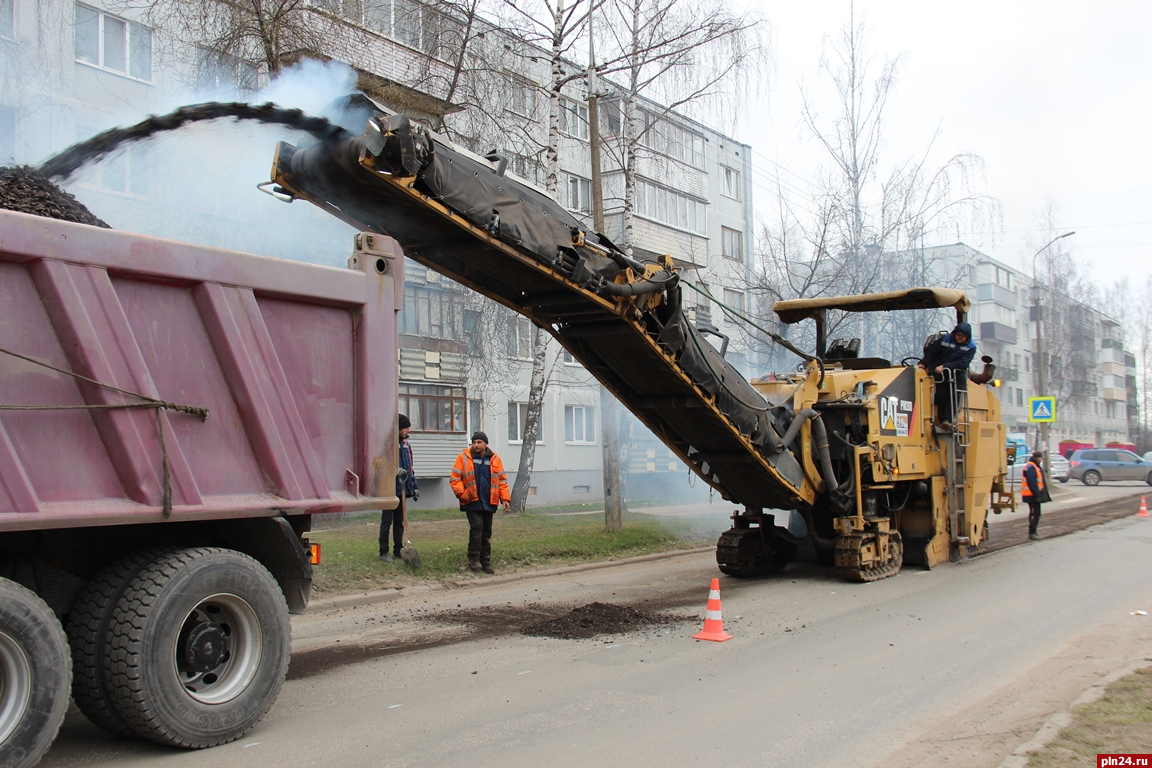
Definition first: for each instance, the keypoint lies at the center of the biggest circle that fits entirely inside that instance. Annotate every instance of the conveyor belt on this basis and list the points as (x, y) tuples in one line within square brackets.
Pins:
[(640, 347)]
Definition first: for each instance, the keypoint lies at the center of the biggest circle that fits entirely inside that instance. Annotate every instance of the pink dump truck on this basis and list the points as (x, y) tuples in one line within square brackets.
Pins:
[(171, 416)]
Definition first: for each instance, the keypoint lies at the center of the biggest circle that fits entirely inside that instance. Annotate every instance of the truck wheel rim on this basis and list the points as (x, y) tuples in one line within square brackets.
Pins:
[(218, 649), (15, 685)]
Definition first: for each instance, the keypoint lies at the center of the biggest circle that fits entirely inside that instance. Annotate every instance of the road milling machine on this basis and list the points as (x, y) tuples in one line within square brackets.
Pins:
[(846, 442)]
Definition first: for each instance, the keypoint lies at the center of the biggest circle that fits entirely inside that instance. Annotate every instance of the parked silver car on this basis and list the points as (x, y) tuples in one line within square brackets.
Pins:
[(1093, 465)]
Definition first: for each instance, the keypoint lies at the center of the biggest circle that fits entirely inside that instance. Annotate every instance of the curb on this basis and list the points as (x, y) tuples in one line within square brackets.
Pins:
[(1051, 727), (387, 595)]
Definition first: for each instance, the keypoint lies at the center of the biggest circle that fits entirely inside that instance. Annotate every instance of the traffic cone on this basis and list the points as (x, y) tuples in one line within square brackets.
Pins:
[(1143, 508), (713, 621)]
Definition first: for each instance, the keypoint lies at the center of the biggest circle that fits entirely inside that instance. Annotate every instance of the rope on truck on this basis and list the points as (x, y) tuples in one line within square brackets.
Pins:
[(147, 402)]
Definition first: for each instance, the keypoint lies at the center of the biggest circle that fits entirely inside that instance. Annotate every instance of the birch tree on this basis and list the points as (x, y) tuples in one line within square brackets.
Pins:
[(857, 227)]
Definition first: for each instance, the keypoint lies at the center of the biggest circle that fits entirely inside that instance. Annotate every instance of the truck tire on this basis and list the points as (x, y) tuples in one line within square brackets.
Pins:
[(87, 629), (35, 672), (198, 647)]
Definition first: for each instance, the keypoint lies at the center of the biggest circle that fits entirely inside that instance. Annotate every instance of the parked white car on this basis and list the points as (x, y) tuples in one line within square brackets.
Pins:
[(1058, 469)]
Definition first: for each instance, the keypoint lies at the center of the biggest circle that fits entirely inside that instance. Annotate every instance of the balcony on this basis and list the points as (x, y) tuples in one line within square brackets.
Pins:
[(996, 293), (994, 331), (1007, 373), (1112, 393), (1084, 389)]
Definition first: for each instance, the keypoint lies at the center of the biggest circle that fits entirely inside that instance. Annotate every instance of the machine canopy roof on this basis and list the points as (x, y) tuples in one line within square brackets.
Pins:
[(795, 310)]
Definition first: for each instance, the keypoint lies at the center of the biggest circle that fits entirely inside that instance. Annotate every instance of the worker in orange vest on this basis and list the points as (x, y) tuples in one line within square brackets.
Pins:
[(479, 482), (1034, 492)]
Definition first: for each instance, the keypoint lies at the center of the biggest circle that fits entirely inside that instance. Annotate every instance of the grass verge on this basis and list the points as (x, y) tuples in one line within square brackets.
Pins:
[(528, 541), (1119, 723)]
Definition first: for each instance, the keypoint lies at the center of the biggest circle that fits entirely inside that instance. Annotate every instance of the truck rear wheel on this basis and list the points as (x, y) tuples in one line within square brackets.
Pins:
[(87, 629), (198, 647), (35, 670)]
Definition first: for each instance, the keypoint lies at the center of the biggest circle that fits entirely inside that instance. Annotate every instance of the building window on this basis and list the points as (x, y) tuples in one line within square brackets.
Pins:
[(124, 171), (525, 167), (1020, 397), (574, 118), (432, 407), (579, 194), (472, 331), (521, 96), (610, 120), (113, 43), (429, 312), (566, 356), (732, 241), (7, 135), (217, 71), (668, 207), (662, 135), (731, 183), (475, 416), (579, 424), (517, 417), (734, 299), (7, 19), (519, 338)]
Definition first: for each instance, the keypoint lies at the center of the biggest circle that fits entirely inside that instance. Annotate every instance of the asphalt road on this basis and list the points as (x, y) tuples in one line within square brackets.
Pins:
[(957, 665)]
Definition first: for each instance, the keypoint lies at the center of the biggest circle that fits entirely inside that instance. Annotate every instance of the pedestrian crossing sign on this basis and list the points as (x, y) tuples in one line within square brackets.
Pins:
[(1042, 409)]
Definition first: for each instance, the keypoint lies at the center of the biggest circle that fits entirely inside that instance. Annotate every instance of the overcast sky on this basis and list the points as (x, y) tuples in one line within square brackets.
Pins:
[(1055, 96)]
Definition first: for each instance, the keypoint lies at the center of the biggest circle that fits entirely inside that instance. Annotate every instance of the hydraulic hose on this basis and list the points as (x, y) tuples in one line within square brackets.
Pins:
[(820, 444), (647, 285)]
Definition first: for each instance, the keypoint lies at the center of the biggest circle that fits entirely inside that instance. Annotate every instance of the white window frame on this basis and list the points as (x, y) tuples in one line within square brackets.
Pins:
[(217, 71), (731, 183), (517, 415), (132, 32), (519, 341), (732, 243), (580, 424), (735, 300), (579, 190), (574, 118), (132, 160), (8, 19), (7, 134)]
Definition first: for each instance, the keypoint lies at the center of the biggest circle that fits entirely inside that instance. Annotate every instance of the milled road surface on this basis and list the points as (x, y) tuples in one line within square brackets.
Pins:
[(954, 666)]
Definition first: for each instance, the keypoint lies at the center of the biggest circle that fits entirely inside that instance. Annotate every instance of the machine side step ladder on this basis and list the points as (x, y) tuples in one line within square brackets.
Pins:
[(957, 469)]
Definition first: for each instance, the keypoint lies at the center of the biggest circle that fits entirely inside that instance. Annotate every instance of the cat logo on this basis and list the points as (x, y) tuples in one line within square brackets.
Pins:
[(888, 410)]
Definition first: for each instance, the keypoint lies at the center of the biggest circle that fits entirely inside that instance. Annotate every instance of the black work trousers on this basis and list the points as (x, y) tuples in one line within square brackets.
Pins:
[(945, 396), (394, 519), (1033, 515), (480, 536)]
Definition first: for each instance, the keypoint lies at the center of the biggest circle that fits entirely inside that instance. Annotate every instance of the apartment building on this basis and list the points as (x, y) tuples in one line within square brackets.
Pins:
[(72, 69), (1089, 373)]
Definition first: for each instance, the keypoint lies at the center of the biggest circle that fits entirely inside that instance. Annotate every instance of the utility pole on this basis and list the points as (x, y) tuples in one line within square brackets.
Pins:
[(609, 421)]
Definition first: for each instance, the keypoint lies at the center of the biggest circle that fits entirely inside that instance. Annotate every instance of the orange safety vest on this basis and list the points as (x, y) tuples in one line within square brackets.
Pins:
[(1025, 491), (463, 481)]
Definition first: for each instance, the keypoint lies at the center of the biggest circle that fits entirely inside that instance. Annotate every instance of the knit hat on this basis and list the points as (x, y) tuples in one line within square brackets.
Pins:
[(478, 435), (404, 422)]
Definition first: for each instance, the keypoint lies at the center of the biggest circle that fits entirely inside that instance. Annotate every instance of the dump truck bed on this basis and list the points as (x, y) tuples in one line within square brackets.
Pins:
[(113, 345)]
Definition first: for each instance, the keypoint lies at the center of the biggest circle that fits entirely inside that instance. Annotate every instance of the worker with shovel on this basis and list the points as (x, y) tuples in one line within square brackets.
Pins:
[(406, 488)]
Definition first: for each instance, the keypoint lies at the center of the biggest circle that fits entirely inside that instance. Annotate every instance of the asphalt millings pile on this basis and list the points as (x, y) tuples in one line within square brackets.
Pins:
[(24, 189), (599, 619)]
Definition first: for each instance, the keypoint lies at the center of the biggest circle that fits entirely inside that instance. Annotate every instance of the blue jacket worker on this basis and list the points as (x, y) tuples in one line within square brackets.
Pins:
[(406, 488), (948, 359)]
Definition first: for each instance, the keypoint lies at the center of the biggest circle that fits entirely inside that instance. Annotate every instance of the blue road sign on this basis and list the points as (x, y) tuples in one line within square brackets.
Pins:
[(1042, 409)]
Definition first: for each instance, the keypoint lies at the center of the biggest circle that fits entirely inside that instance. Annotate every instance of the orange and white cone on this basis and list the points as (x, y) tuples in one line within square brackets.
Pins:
[(1143, 508), (713, 621)]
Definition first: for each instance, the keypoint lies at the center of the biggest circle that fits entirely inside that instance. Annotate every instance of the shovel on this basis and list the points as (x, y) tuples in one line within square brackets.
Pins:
[(408, 552)]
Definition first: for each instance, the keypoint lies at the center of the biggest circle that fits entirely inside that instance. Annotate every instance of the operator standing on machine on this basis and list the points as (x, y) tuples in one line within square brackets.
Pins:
[(948, 359)]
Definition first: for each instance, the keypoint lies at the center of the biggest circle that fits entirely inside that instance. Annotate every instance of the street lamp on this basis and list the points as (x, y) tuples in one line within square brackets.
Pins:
[(1042, 385)]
